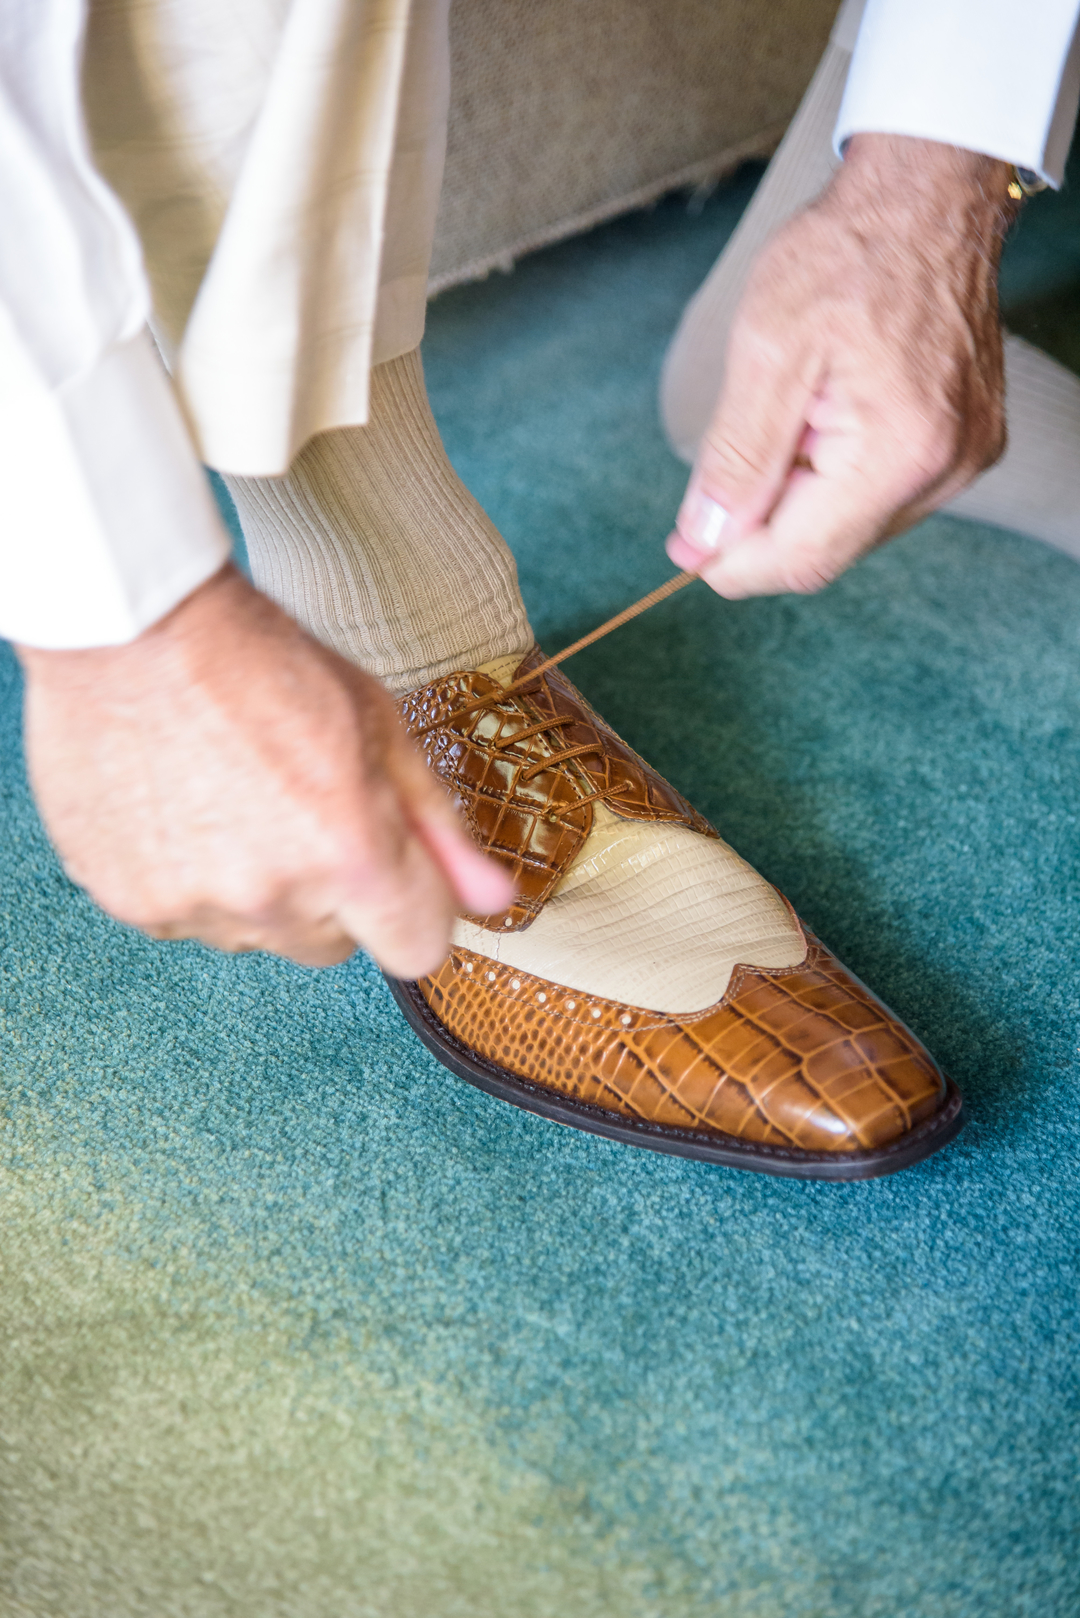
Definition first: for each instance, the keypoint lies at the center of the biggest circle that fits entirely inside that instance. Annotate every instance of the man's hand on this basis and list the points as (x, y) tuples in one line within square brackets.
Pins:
[(224, 777), (864, 383)]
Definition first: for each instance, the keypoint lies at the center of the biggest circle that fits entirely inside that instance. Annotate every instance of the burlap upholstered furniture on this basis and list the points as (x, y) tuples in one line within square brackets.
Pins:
[(567, 112)]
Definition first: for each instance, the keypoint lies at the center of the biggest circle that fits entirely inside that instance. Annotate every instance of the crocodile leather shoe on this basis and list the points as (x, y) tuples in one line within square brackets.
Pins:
[(647, 984)]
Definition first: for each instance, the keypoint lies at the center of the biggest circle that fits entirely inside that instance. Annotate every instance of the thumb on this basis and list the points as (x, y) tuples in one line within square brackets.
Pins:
[(744, 459)]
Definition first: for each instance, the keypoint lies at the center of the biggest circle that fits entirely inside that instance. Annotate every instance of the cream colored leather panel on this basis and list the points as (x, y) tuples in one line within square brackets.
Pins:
[(502, 669), (655, 916)]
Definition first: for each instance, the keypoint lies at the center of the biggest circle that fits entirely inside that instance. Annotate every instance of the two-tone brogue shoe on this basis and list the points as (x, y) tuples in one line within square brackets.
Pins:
[(647, 984)]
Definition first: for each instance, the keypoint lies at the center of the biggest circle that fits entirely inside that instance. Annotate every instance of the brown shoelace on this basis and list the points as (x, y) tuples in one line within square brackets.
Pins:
[(543, 726), (661, 593)]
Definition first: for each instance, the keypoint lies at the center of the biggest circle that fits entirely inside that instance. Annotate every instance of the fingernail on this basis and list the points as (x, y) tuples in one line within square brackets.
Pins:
[(702, 520)]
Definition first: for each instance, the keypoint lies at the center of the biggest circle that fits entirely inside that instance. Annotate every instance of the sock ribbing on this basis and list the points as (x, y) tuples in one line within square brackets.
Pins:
[(372, 542)]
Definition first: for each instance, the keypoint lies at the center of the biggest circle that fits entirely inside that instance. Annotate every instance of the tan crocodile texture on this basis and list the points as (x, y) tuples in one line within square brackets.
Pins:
[(801, 1057), (535, 823)]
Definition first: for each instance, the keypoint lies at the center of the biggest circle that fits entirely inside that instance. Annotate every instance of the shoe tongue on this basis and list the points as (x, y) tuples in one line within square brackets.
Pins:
[(501, 669)]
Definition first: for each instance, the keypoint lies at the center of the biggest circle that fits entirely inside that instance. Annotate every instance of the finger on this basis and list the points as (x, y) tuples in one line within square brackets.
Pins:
[(684, 554), (820, 526), (745, 457), (403, 918), (480, 884), (325, 944), (434, 870)]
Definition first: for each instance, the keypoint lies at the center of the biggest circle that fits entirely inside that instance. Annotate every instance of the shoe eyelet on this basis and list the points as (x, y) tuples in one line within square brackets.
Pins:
[(491, 977), (596, 1011), (541, 996), (626, 1019), (571, 1005), (515, 983), (468, 966)]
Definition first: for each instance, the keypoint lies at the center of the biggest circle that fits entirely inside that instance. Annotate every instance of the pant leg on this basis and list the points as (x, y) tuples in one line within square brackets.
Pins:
[(281, 160), (694, 365), (416, 175)]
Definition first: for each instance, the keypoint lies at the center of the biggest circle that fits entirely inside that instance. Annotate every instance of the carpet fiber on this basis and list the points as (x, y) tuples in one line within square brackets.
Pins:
[(296, 1325)]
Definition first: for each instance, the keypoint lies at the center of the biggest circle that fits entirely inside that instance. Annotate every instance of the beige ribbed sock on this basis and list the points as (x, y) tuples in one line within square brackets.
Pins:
[(372, 542), (1035, 487)]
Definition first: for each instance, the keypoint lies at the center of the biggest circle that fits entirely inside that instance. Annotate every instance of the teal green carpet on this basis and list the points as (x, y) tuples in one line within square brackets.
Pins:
[(296, 1324)]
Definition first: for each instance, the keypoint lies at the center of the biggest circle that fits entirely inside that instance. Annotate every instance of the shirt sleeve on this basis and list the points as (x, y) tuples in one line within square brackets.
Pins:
[(108, 518), (994, 76)]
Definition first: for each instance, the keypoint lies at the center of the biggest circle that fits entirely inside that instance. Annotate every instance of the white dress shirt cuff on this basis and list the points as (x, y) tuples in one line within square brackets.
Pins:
[(1000, 77), (108, 517)]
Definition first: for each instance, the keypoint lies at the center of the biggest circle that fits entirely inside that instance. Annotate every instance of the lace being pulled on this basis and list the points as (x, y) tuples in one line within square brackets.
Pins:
[(661, 593)]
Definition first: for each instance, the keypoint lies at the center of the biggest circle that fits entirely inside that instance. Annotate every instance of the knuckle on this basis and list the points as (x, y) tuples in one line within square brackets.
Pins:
[(809, 568), (156, 921), (139, 907), (731, 462), (251, 896), (806, 576)]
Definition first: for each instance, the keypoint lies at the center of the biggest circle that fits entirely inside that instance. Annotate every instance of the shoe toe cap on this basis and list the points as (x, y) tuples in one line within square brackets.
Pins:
[(822, 1062)]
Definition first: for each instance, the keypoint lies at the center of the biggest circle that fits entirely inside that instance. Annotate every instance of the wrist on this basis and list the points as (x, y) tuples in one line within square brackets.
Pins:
[(935, 186)]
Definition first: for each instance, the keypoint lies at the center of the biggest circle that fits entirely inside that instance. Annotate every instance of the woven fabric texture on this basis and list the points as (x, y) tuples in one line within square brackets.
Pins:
[(563, 113)]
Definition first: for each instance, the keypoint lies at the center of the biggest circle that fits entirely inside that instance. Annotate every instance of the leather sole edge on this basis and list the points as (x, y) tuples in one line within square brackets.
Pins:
[(726, 1151)]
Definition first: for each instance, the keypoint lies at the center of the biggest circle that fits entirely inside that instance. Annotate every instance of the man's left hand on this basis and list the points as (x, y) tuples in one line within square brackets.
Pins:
[(864, 382)]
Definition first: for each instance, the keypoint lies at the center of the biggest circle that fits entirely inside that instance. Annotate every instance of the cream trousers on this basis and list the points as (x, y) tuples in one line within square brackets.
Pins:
[(281, 160)]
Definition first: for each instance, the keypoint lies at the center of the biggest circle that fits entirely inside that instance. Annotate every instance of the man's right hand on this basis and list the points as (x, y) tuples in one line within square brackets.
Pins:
[(225, 777)]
